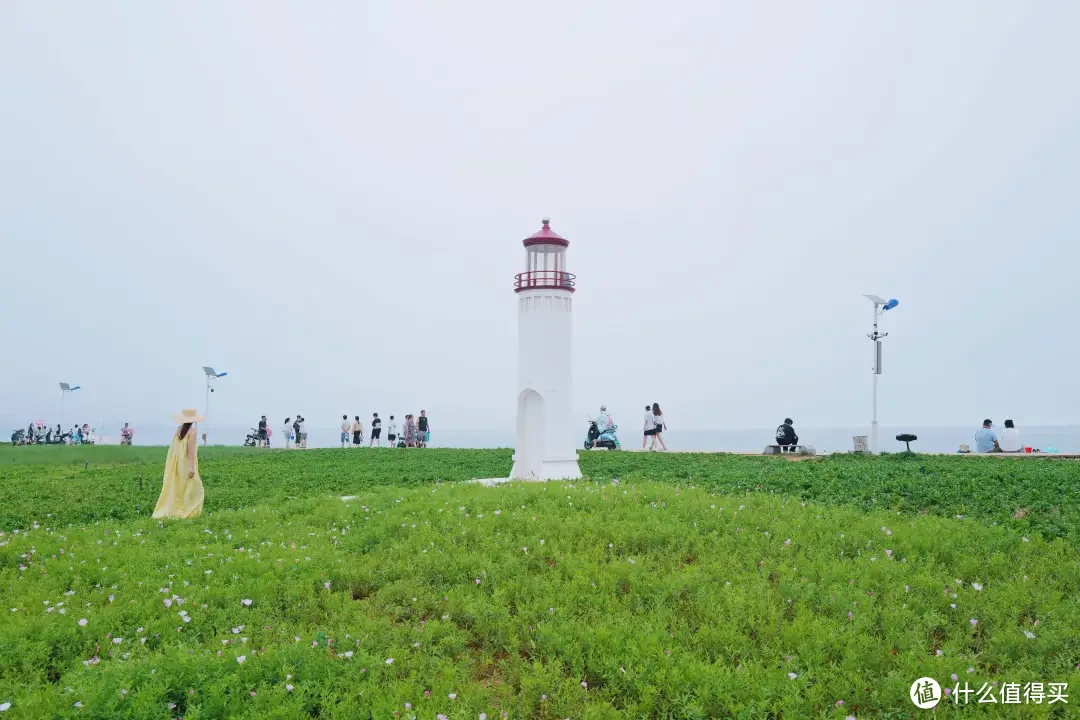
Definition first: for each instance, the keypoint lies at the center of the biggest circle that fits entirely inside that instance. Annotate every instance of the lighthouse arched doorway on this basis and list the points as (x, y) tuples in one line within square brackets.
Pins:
[(529, 455)]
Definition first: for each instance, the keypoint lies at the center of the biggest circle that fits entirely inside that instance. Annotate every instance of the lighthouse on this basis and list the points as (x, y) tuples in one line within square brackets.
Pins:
[(546, 447)]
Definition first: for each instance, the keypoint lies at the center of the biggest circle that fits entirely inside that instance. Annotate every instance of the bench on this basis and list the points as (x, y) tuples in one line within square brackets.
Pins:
[(787, 450)]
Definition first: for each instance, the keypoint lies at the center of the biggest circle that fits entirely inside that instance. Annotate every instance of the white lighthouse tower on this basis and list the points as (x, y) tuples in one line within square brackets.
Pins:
[(546, 447)]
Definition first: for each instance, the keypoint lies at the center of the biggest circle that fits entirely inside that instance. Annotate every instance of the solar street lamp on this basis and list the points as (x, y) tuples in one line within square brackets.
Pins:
[(210, 376), (880, 306), (64, 390)]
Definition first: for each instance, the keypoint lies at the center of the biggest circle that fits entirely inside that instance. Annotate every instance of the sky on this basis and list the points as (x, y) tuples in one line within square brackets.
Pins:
[(327, 201)]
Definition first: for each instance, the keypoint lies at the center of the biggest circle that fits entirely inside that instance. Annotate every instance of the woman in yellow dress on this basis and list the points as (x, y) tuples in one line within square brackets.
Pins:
[(181, 489)]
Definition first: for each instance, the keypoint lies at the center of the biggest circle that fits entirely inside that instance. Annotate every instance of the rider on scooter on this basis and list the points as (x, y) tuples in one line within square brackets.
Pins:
[(604, 423)]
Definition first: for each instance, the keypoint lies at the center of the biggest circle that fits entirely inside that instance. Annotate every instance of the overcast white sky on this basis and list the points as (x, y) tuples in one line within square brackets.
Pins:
[(327, 200)]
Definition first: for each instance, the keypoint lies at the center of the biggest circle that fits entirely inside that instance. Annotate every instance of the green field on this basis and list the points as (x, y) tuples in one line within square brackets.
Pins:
[(681, 586)]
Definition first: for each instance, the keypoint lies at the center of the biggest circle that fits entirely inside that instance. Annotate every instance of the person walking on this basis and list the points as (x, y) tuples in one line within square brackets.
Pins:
[(303, 433), (296, 431), (659, 427), (391, 432), (287, 432), (181, 488), (346, 426), (376, 430), (410, 431), (423, 430), (649, 428)]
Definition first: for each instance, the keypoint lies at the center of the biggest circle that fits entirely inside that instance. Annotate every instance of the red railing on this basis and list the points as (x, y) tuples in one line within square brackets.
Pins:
[(539, 279)]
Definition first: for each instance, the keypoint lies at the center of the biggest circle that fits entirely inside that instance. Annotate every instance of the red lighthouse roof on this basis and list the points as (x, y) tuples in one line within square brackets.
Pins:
[(546, 236)]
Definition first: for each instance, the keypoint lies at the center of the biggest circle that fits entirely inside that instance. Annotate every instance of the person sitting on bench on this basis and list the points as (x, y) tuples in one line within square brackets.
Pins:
[(786, 437)]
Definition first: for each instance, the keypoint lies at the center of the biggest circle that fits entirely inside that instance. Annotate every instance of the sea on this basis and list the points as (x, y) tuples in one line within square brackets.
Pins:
[(1061, 439)]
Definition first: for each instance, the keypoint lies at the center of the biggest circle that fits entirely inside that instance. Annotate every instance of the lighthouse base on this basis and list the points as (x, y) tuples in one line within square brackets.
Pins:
[(546, 470)]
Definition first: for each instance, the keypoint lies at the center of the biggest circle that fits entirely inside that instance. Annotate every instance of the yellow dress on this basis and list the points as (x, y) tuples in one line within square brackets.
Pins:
[(181, 496)]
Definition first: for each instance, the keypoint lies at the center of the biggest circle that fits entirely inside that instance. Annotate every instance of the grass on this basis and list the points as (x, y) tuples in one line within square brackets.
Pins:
[(102, 454), (1032, 496), (659, 586), (590, 600)]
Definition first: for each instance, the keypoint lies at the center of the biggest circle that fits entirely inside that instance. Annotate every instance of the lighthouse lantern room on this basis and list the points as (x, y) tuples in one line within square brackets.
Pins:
[(545, 448)]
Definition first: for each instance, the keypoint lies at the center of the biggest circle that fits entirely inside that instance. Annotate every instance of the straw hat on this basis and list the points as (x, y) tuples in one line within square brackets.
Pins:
[(187, 415)]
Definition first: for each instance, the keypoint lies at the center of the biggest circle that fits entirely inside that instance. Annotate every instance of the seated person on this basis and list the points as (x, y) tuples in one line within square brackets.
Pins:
[(1010, 439), (786, 437), (986, 440)]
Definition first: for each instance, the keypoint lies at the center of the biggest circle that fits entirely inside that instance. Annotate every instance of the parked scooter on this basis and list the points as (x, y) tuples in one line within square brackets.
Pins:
[(606, 439), (18, 437)]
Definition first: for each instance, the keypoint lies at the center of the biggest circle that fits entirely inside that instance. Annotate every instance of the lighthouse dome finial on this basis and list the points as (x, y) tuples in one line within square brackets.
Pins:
[(546, 221)]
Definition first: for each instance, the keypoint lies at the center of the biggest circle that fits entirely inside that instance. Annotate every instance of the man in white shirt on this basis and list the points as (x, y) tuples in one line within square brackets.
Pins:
[(650, 425), (346, 428), (1010, 438)]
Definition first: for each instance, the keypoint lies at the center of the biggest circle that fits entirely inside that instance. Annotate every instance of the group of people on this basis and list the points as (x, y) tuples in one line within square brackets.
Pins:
[(654, 427), (416, 432), (37, 433), (652, 432), (988, 441)]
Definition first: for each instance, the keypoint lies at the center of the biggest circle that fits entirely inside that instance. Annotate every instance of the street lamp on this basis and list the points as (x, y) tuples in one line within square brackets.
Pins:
[(210, 375), (64, 390), (880, 306)]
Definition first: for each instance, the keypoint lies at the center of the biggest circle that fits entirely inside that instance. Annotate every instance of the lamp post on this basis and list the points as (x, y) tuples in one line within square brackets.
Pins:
[(210, 375), (880, 306), (64, 390)]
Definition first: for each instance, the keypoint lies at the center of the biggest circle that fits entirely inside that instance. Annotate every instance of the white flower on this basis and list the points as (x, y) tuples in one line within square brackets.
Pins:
[(4, 706), (288, 688), (348, 654), (389, 661), (82, 622), (246, 602), (241, 659), (1030, 635), (78, 704), (792, 675), (976, 585), (452, 696), (168, 602), (117, 641)]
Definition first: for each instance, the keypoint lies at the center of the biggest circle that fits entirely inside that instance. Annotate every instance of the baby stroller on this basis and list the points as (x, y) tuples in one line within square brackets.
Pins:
[(252, 438)]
